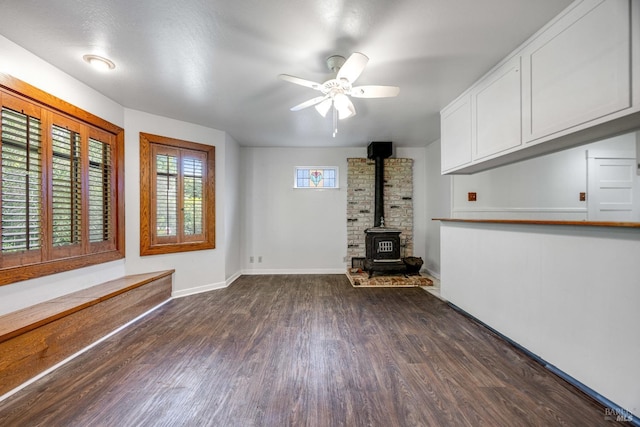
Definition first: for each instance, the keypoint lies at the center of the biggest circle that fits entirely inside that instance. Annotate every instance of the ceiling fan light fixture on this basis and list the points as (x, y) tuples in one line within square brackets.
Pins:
[(324, 106), (99, 62), (344, 106), (345, 113)]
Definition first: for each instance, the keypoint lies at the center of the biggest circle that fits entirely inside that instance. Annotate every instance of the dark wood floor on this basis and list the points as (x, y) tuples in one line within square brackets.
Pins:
[(302, 351)]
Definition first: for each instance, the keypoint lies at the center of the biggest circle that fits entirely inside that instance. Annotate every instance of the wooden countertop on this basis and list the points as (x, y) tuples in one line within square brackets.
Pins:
[(544, 222)]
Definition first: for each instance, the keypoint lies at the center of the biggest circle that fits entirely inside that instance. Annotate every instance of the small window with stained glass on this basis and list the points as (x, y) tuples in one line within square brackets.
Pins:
[(316, 177)]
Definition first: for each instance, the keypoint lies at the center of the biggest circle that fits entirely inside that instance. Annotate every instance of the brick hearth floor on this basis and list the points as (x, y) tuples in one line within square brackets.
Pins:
[(361, 279)]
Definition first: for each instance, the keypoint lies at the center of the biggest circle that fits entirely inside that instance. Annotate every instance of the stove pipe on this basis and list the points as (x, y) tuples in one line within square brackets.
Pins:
[(378, 151)]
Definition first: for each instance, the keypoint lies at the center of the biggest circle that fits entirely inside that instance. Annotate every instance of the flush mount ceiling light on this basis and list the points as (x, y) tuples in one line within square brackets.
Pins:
[(336, 92), (99, 62)]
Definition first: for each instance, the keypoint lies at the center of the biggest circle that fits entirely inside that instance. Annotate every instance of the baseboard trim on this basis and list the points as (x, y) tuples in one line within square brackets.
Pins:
[(432, 273), (295, 271), (233, 278), (198, 289), (78, 353), (616, 412)]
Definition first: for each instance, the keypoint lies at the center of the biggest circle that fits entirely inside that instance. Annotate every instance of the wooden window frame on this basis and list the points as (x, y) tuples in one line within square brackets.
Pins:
[(53, 261), (150, 243)]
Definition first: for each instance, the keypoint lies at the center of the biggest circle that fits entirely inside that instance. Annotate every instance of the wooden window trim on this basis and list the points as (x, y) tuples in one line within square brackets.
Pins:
[(24, 91), (149, 245)]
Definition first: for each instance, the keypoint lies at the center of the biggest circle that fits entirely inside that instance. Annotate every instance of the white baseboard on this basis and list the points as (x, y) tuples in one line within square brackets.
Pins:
[(198, 290), (295, 271), (213, 286), (233, 278)]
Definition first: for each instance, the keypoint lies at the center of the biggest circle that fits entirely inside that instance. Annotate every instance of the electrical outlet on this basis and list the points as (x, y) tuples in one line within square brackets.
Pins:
[(472, 197), (583, 197), (251, 259), (260, 258)]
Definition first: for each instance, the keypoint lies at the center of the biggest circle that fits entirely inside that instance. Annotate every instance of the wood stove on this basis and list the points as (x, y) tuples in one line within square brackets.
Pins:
[(382, 244)]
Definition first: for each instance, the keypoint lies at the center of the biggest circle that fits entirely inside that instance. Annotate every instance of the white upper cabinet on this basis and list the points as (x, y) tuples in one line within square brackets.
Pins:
[(498, 114), (579, 69), (574, 81), (455, 128)]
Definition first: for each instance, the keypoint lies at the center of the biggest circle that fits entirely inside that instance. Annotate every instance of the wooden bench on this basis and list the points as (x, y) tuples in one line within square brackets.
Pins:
[(36, 338)]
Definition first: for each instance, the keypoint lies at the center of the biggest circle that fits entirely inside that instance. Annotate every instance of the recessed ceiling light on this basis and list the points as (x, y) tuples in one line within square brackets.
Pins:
[(99, 62)]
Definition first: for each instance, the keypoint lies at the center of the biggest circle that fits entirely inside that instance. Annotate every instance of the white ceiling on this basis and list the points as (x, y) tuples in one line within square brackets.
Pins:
[(216, 62)]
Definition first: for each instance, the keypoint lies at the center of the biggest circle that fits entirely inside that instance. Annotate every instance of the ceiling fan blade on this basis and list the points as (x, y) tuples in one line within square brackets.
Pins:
[(299, 81), (374, 91), (309, 103), (353, 67)]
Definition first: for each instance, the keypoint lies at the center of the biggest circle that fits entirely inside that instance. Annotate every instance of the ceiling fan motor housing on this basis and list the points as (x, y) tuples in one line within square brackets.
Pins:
[(335, 62), (335, 86)]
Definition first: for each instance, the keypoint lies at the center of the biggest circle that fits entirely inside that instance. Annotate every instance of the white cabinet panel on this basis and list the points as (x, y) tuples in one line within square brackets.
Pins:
[(498, 113), (574, 81), (455, 129), (578, 70)]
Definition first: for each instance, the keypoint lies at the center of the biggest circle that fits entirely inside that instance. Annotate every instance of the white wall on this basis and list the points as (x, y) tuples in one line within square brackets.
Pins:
[(195, 271), (23, 65), (420, 220), (232, 212), (304, 230), (545, 187), (568, 294), (438, 205), (293, 230)]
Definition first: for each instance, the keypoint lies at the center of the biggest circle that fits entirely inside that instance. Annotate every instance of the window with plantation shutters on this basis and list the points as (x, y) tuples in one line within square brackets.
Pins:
[(166, 194), (60, 172), (21, 172), (177, 208), (193, 194), (66, 207), (100, 198)]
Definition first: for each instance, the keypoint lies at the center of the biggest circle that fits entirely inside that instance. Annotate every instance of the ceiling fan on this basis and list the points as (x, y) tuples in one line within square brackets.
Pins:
[(336, 92)]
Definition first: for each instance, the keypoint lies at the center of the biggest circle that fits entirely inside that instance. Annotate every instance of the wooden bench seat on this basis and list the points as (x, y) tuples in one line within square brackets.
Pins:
[(38, 337)]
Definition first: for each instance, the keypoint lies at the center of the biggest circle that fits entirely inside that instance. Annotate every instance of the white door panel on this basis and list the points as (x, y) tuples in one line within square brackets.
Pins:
[(613, 190)]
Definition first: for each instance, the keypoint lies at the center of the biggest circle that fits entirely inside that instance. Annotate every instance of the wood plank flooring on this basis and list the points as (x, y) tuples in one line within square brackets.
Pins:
[(302, 350)]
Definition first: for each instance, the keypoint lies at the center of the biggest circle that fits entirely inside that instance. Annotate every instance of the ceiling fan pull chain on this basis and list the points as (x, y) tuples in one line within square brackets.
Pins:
[(335, 120)]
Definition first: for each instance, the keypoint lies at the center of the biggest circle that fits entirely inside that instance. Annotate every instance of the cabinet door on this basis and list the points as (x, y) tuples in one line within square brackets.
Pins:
[(455, 131), (579, 70), (498, 112)]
